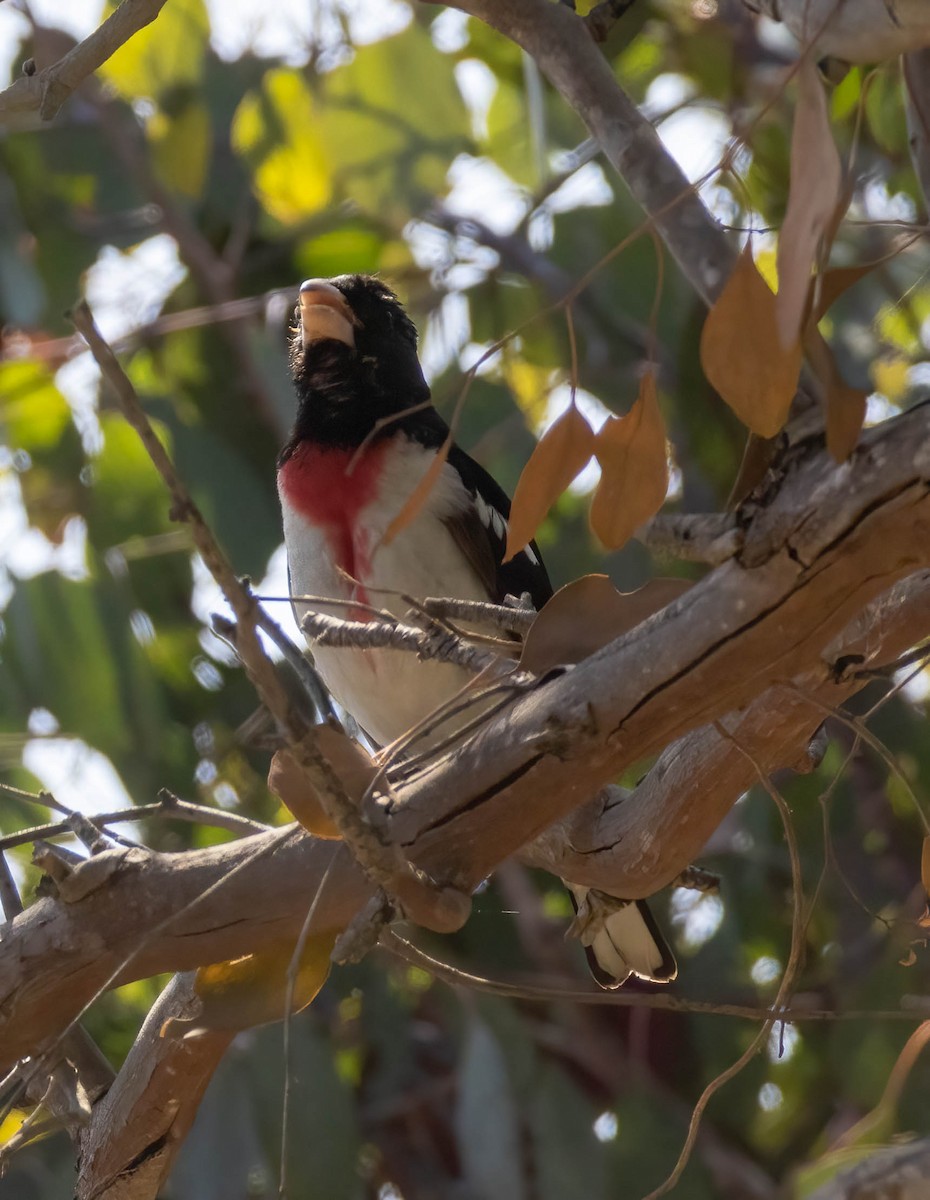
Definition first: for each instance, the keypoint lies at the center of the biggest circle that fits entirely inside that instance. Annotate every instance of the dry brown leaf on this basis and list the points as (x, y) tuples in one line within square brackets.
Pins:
[(742, 354), (252, 990), (846, 408), (634, 469), (288, 782), (925, 865), (562, 451), (816, 184), (589, 613), (418, 496), (845, 405)]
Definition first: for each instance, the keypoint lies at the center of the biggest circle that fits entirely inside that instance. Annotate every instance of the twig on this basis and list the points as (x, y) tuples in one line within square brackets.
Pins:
[(661, 1001), (500, 617), (169, 805), (390, 634), (47, 91), (862, 730)]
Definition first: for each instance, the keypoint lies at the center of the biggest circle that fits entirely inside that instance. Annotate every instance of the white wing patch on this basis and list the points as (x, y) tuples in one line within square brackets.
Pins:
[(492, 519)]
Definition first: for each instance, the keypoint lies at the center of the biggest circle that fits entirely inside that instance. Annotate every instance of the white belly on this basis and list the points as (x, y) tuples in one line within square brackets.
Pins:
[(387, 691)]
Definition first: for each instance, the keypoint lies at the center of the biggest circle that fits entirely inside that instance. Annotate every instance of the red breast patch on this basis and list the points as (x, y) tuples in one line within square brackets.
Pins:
[(329, 491)]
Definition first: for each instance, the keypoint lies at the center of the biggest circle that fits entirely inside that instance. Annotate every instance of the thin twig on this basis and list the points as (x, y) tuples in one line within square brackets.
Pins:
[(169, 805), (391, 634), (857, 726), (500, 617), (661, 1001)]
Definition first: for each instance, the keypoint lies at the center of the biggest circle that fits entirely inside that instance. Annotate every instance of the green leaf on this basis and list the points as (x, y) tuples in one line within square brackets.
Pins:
[(276, 131), (509, 143), (167, 54), (33, 412), (181, 147), (392, 122)]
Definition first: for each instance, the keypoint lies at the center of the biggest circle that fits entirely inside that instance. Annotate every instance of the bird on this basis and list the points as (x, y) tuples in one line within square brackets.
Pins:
[(364, 435)]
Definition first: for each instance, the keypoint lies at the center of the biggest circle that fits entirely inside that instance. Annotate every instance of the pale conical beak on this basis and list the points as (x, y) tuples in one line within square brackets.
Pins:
[(324, 313)]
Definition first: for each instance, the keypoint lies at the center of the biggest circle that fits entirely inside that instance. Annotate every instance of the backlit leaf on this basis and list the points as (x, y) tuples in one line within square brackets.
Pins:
[(276, 132), (391, 121), (252, 990), (166, 54), (562, 451), (742, 354), (634, 469)]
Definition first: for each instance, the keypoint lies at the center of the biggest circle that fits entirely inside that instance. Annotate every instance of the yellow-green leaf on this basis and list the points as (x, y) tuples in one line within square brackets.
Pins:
[(252, 990), (181, 147), (276, 132), (166, 54)]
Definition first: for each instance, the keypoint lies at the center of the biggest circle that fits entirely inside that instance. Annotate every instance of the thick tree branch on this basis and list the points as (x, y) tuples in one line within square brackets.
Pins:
[(823, 557), (47, 91), (137, 1129), (833, 540)]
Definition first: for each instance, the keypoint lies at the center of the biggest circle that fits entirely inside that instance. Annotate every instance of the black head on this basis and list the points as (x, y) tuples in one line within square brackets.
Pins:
[(353, 359)]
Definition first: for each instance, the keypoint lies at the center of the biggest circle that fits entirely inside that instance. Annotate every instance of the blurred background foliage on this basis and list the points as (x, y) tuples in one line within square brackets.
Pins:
[(220, 157)]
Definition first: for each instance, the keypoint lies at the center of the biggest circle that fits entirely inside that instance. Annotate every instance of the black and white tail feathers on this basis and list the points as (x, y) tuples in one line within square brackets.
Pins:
[(625, 940)]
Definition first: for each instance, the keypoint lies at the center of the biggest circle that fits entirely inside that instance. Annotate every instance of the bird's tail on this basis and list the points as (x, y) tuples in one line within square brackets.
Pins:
[(621, 938)]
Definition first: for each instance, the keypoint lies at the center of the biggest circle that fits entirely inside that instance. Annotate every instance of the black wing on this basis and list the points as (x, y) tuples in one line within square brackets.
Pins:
[(485, 524), (481, 531)]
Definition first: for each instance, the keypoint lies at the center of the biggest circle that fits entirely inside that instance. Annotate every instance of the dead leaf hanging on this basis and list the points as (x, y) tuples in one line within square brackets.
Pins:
[(816, 185), (288, 782), (742, 354), (634, 469), (562, 451), (845, 405), (589, 613)]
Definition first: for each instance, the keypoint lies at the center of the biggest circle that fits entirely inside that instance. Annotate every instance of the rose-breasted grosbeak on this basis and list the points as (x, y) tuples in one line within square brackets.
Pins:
[(344, 475)]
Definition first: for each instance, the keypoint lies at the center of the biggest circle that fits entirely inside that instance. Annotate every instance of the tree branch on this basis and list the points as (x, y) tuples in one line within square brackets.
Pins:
[(566, 53), (823, 557), (47, 91), (136, 1130)]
